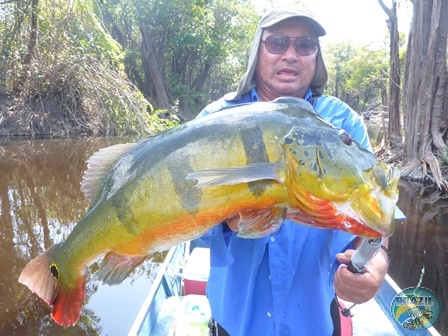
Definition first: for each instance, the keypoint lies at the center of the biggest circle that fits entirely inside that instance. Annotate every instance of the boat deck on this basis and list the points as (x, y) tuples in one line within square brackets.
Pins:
[(169, 311)]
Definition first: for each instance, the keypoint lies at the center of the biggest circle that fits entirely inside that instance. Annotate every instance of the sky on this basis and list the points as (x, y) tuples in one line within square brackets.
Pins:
[(360, 21)]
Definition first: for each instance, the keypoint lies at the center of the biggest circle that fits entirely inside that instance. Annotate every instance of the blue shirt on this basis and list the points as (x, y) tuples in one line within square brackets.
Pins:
[(281, 284)]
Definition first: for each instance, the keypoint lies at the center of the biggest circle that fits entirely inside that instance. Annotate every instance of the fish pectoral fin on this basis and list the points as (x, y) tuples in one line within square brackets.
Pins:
[(260, 223), (235, 175), (99, 165), (116, 267)]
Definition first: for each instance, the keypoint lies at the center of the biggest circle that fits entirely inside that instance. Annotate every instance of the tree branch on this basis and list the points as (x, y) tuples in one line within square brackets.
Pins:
[(385, 8)]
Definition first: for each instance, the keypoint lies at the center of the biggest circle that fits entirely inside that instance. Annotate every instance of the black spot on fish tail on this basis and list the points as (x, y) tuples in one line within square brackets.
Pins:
[(190, 200), (54, 271), (255, 150)]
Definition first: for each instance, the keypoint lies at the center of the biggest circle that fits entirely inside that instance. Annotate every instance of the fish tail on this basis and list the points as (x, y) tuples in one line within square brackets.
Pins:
[(42, 276)]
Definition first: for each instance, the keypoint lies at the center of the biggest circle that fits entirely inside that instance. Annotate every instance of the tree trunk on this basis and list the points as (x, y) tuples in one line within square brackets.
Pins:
[(424, 92), (154, 79), (24, 72), (394, 128)]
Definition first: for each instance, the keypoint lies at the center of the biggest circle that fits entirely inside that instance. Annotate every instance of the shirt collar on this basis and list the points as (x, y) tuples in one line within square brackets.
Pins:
[(255, 98)]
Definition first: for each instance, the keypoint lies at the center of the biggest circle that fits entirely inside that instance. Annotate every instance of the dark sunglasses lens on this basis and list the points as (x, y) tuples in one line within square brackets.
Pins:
[(306, 46), (277, 44)]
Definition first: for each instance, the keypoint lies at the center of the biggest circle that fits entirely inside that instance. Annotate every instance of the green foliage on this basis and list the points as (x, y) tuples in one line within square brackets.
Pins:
[(369, 75), (78, 65), (336, 57), (198, 44), (357, 74), (92, 57)]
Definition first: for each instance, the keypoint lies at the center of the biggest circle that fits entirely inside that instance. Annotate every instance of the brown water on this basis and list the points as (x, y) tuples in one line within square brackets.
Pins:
[(40, 202)]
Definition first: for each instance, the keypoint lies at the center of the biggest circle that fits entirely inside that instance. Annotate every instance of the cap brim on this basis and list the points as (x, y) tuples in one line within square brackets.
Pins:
[(277, 15)]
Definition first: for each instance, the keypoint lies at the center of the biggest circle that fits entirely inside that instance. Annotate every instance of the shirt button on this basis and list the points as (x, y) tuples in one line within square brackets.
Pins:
[(272, 239), (269, 314)]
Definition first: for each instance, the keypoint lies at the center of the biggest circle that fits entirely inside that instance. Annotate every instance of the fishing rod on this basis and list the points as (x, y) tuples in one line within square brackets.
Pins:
[(365, 252), (358, 263)]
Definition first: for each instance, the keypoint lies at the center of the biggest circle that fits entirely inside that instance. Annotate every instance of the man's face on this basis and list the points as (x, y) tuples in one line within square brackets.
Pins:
[(287, 74)]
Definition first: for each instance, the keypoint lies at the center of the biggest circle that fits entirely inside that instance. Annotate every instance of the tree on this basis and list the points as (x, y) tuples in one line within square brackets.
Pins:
[(181, 52), (394, 130), (425, 89), (65, 73), (26, 63), (357, 75), (154, 79), (367, 78), (337, 56)]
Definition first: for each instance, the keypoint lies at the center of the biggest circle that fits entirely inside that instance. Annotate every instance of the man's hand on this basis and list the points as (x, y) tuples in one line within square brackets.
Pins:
[(359, 288)]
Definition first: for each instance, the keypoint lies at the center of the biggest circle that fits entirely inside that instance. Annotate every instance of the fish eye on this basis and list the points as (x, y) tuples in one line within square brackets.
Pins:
[(345, 137)]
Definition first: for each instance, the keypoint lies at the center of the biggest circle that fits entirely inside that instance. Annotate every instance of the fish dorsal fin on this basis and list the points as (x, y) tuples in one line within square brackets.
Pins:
[(235, 175), (260, 223), (99, 165)]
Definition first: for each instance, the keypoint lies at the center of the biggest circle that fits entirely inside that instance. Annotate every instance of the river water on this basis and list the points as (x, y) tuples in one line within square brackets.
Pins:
[(41, 201)]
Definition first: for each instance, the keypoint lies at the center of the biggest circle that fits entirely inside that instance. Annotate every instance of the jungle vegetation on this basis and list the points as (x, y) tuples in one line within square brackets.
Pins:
[(116, 67)]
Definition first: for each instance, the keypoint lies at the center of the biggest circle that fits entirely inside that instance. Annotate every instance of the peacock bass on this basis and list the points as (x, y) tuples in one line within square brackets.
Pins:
[(261, 161)]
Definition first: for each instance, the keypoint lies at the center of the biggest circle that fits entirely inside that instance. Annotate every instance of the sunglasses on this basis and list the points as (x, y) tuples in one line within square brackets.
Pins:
[(277, 44)]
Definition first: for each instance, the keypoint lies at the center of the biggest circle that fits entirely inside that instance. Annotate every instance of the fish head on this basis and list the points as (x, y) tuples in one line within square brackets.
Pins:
[(337, 183)]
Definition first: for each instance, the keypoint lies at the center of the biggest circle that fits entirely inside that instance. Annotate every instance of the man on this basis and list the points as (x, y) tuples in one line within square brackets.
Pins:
[(284, 283)]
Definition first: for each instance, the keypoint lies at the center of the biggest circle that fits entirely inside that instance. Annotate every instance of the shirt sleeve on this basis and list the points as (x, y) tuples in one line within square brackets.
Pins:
[(219, 238), (219, 104), (213, 107), (340, 115)]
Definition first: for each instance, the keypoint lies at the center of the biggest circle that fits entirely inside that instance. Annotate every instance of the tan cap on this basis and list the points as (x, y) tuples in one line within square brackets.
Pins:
[(278, 14)]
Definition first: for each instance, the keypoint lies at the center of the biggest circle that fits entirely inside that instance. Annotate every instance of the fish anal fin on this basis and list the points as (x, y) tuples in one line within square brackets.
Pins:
[(260, 223), (67, 305), (99, 165), (235, 175), (116, 267)]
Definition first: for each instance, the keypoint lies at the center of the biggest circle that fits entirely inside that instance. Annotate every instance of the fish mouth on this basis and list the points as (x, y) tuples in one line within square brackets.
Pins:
[(376, 207), (368, 212)]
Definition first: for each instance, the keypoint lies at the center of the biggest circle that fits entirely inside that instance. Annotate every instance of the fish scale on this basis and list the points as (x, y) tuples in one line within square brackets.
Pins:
[(260, 161)]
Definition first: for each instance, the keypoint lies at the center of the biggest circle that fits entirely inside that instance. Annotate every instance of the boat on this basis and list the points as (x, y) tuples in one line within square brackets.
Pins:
[(176, 302), (177, 306)]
